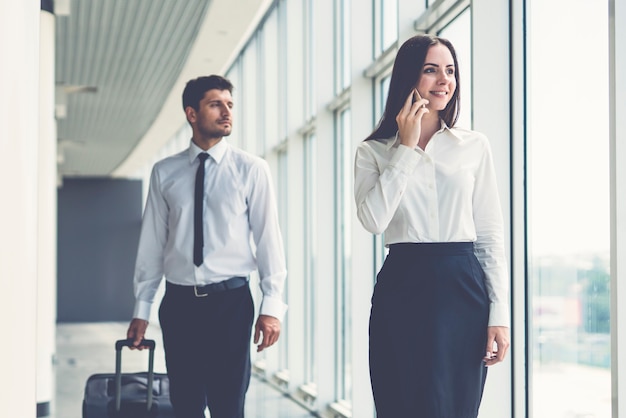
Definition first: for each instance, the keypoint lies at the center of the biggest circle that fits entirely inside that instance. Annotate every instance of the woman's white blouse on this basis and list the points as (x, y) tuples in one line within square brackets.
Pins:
[(445, 193)]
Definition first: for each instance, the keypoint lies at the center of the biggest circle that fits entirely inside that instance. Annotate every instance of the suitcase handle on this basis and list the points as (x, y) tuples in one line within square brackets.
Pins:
[(119, 344)]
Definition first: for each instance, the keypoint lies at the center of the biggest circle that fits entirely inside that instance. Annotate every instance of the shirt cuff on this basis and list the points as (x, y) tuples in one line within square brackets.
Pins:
[(499, 315), (272, 306), (142, 310)]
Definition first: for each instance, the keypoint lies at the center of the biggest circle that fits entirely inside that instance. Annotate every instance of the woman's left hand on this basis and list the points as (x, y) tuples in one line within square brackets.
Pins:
[(498, 342)]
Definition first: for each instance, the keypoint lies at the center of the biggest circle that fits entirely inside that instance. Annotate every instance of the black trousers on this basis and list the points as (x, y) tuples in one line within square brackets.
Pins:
[(428, 332), (207, 350)]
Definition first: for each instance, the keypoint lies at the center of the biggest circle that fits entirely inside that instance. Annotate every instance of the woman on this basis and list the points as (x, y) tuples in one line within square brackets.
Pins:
[(440, 310)]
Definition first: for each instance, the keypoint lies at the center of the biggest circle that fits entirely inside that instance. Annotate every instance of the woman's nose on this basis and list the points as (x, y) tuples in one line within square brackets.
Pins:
[(444, 78)]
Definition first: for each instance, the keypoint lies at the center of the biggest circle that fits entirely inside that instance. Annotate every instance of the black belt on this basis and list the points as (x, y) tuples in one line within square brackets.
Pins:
[(202, 291)]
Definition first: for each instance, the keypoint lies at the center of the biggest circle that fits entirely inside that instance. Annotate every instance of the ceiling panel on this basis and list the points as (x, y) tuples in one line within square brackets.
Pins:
[(116, 63)]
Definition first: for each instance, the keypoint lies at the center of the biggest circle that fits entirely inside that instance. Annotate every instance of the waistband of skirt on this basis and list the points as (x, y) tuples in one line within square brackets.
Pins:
[(431, 248)]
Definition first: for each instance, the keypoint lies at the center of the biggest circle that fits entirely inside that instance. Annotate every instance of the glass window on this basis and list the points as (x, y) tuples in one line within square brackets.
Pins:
[(386, 24), (234, 75), (459, 32), (249, 95), (342, 45), (268, 82), (343, 219), (282, 198), (379, 250), (568, 210), (389, 19), (283, 59), (309, 62), (309, 257), (383, 91), (421, 6)]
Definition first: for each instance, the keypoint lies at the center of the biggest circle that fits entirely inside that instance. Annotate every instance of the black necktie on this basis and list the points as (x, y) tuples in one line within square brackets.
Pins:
[(198, 238)]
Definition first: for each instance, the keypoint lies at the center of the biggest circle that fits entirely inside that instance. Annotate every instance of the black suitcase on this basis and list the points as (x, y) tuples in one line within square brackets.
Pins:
[(126, 394)]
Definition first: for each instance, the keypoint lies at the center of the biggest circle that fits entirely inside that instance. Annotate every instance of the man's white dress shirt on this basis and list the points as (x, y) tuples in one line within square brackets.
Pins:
[(241, 229), (445, 193)]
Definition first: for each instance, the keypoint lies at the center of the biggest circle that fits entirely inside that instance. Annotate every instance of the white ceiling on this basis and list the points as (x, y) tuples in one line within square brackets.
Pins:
[(121, 66)]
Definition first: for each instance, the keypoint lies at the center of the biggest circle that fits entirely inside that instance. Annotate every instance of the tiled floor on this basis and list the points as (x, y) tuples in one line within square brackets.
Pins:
[(85, 349)]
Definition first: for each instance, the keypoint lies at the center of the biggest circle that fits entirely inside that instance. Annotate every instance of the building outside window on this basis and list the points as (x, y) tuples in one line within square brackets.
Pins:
[(568, 212)]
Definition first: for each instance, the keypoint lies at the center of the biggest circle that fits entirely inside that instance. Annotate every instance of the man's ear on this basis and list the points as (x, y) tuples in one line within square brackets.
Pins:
[(190, 112)]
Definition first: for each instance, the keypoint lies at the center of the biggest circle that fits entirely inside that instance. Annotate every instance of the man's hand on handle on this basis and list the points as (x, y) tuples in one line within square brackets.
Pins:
[(136, 332)]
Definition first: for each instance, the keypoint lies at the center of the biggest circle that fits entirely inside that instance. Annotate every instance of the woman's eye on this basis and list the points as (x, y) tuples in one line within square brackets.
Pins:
[(450, 71), (429, 70)]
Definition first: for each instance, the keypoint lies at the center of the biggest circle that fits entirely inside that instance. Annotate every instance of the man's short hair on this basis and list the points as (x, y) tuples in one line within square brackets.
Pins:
[(196, 88)]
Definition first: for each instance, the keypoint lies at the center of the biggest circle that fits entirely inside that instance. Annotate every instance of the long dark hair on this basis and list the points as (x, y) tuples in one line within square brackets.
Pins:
[(407, 70)]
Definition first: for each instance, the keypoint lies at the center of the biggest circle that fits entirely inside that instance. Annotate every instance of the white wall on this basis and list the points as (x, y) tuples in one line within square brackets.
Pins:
[(19, 130)]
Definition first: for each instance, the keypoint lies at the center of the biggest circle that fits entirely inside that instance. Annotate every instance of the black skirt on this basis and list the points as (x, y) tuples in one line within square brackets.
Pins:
[(428, 332)]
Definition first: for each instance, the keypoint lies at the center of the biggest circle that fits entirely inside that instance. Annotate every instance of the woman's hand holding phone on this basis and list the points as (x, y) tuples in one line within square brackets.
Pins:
[(410, 119)]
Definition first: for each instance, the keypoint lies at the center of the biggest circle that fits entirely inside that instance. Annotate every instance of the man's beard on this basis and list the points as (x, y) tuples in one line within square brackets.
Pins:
[(215, 133)]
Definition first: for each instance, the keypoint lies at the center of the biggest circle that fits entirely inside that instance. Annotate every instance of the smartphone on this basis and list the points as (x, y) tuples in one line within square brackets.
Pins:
[(416, 96)]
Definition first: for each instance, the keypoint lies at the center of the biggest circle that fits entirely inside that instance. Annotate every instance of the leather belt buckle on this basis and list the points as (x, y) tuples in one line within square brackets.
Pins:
[(199, 295)]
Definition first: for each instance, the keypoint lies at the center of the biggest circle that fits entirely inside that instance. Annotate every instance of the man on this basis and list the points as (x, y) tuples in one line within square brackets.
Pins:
[(205, 254)]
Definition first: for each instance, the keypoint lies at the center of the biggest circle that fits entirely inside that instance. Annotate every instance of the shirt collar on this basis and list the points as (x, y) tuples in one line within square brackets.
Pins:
[(393, 143), (454, 132), (216, 152)]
